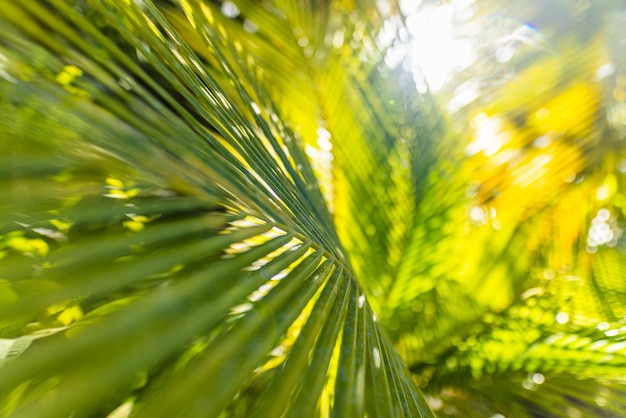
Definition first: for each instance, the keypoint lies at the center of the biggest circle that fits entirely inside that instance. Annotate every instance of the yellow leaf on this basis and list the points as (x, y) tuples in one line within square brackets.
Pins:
[(60, 225), (68, 74), (34, 246), (70, 315), (115, 182), (134, 226)]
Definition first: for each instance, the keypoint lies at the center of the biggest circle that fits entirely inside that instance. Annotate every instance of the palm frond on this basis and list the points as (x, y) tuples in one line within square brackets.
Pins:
[(166, 232)]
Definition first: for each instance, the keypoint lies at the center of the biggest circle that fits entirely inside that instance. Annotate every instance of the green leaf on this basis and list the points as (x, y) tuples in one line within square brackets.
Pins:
[(170, 181)]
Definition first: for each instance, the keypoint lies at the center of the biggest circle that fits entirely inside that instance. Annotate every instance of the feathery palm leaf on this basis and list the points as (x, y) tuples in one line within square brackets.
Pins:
[(166, 240)]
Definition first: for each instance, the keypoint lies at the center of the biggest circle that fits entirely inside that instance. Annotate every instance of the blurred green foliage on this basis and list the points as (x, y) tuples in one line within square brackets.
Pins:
[(253, 209)]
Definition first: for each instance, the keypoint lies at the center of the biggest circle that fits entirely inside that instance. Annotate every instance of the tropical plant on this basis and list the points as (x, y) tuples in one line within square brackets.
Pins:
[(244, 208)]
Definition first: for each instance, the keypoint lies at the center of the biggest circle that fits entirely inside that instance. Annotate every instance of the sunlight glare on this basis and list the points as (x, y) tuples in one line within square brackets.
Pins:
[(562, 318), (490, 136), (4, 67), (435, 52)]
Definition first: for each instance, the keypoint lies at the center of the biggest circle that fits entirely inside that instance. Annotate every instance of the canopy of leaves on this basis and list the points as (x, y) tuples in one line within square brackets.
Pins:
[(243, 209)]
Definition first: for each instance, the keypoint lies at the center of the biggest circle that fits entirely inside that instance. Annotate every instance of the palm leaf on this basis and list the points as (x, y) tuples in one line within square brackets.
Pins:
[(165, 228)]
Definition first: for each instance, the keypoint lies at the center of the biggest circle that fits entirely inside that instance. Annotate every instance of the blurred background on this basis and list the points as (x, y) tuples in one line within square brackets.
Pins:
[(535, 92)]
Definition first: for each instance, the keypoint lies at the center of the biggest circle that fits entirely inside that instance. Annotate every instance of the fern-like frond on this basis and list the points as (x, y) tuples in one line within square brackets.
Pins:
[(166, 244)]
